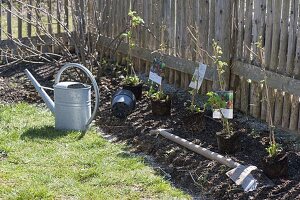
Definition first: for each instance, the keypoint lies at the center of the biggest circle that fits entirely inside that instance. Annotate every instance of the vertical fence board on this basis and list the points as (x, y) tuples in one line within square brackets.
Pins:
[(58, 15), (29, 13), (0, 27), (282, 60), (267, 48), (289, 102), (20, 21), (9, 23), (294, 113), (276, 10), (238, 38), (276, 16), (183, 37), (246, 55), (211, 35), (66, 14), (257, 31), (203, 22), (223, 33)]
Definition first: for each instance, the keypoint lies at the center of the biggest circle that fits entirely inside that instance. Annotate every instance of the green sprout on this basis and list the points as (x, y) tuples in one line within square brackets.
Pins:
[(134, 21)]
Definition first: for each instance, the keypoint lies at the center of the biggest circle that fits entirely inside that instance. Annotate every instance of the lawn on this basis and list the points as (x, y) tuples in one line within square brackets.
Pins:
[(43, 163)]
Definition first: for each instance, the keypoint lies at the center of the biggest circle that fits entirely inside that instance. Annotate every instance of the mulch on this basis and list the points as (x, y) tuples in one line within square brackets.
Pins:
[(186, 170)]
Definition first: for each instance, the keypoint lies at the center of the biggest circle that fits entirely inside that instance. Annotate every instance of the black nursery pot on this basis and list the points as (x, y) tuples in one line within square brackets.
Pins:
[(161, 107), (276, 167), (137, 90), (229, 144)]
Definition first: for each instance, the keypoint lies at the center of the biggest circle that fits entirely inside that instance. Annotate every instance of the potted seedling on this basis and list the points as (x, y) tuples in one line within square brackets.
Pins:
[(275, 164), (195, 115), (160, 101), (228, 140), (221, 102), (131, 81)]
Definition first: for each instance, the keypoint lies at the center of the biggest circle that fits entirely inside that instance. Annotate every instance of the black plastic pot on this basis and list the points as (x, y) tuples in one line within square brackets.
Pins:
[(123, 103), (161, 107), (229, 143), (137, 90), (276, 167)]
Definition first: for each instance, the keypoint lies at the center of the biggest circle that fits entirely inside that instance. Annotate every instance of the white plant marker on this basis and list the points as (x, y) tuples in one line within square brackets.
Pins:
[(226, 112), (156, 71), (198, 76)]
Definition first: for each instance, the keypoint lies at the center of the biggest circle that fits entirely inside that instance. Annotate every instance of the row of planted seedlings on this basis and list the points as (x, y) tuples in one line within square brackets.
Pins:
[(219, 102)]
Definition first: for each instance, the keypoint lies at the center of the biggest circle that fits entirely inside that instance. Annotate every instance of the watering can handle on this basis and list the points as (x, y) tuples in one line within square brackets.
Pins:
[(91, 77)]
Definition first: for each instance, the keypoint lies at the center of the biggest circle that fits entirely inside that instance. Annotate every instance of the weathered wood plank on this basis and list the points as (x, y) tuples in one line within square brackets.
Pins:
[(202, 21), (0, 25), (175, 63), (268, 36), (241, 24), (267, 48), (257, 31), (66, 14), (247, 71), (278, 117), (223, 33), (20, 21), (274, 60), (276, 15), (274, 80), (8, 15), (287, 113), (246, 55)]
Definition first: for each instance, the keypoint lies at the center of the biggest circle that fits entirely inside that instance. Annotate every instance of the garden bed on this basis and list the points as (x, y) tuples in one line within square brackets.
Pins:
[(185, 169)]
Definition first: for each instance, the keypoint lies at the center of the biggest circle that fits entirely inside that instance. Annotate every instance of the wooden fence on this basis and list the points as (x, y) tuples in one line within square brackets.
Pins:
[(236, 25)]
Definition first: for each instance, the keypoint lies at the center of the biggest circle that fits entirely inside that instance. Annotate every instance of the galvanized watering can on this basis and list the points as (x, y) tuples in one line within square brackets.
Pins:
[(72, 107)]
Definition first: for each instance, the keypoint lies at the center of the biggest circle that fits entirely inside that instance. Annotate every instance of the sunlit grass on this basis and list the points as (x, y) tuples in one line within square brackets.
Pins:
[(43, 163)]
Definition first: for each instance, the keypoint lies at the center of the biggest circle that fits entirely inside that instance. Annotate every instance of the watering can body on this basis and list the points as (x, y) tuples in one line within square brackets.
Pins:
[(72, 105), (72, 101)]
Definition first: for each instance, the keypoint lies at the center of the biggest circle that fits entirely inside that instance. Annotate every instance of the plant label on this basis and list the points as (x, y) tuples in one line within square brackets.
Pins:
[(157, 71), (198, 76), (226, 112)]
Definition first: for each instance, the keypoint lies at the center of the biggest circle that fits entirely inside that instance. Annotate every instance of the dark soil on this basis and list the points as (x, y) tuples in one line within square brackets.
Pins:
[(185, 169)]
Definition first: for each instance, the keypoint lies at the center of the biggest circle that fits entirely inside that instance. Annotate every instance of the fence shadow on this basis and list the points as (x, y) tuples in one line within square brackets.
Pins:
[(46, 132)]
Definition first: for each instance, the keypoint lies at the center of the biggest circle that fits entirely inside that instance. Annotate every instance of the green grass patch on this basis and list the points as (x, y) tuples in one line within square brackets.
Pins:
[(43, 163)]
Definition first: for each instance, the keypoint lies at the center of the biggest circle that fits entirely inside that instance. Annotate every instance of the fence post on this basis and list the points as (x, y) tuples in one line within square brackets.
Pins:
[(223, 35)]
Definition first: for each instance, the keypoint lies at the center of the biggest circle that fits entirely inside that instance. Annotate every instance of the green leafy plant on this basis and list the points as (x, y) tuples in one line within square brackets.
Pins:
[(159, 95), (195, 34), (156, 94), (221, 65), (217, 103), (214, 100), (195, 108), (273, 149), (132, 80), (134, 21)]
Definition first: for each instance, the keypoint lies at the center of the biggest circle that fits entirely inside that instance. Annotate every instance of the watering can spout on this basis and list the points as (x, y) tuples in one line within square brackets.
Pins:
[(41, 91)]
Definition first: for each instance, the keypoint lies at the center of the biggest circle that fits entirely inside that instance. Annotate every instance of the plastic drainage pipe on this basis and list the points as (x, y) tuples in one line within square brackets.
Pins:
[(198, 149)]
